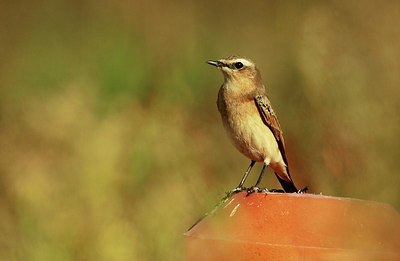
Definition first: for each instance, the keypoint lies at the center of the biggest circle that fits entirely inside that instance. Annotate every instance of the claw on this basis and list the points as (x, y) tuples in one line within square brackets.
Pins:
[(303, 190), (277, 191), (238, 189), (255, 189)]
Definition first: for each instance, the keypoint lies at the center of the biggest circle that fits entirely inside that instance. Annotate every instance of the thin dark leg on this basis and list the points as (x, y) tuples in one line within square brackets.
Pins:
[(255, 188), (246, 174), (261, 176)]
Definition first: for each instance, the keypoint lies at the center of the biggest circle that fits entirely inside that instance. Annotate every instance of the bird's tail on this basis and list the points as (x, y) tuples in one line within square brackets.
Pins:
[(288, 186)]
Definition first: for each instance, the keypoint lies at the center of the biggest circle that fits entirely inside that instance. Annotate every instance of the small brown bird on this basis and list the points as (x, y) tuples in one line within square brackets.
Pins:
[(250, 121)]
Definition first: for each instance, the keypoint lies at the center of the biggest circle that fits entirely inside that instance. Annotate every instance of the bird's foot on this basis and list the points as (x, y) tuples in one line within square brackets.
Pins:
[(256, 189), (303, 190), (277, 191), (238, 189)]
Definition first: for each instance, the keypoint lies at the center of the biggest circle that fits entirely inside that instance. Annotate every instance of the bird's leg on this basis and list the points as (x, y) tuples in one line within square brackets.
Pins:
[(255, 187), (261, 176), (246, 174)]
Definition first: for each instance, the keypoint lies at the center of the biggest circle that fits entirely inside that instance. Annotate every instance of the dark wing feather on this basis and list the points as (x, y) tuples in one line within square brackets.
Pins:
[(269, 118)]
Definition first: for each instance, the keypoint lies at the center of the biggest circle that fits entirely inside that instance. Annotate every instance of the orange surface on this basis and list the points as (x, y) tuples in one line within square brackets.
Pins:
[(275, 226)]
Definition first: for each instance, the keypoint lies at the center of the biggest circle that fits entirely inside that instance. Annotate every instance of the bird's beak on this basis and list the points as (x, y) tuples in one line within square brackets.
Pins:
[(216, 63)]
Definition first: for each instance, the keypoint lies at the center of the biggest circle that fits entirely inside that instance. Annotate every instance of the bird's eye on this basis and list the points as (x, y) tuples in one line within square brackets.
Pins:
[(238, 65)]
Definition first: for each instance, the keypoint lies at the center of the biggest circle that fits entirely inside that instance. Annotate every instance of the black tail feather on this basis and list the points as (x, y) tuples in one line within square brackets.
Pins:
[(288, 186)]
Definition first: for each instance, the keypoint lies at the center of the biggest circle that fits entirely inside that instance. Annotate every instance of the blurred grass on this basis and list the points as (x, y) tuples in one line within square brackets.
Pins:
[(110, 141)]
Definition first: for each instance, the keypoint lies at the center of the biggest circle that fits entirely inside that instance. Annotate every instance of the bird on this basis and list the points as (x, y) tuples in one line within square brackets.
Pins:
[(250, 121)]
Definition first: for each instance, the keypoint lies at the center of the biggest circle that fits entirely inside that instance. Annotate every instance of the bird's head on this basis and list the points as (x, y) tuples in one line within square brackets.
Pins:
[(238, 69)]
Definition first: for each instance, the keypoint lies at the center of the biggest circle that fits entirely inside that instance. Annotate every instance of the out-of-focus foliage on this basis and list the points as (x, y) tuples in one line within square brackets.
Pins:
[(110, 141)]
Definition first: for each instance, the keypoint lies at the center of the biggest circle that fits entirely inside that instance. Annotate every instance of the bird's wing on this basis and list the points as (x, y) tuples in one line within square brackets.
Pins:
[(269, 118)]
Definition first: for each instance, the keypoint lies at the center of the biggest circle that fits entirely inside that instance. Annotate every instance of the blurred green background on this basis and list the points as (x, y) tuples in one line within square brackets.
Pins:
[(111, 144)]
